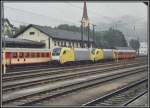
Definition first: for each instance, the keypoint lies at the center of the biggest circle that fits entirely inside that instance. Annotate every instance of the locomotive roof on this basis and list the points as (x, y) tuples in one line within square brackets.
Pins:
[(57, 33)]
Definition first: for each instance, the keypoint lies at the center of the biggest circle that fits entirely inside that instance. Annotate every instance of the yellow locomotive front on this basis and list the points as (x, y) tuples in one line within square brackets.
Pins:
[(97, 54), (62, 55)]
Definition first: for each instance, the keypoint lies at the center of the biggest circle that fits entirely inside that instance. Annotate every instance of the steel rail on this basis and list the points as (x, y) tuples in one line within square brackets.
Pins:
[(34, 69), (11, 86), (107, 96), (138, 96), (43, 72), (87, 84)]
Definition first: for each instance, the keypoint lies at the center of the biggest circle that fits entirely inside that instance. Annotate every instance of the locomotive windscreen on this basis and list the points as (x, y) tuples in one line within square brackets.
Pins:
[(56, 51)]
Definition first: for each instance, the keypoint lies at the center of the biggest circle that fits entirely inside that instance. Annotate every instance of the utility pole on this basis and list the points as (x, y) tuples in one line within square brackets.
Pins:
[(94, 35), (81, 34), (3, 47), (88, 27)]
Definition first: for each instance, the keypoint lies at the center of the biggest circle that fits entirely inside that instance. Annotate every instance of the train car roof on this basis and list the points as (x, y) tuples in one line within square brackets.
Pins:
[(21, 43), (123, 48), (26, 50)]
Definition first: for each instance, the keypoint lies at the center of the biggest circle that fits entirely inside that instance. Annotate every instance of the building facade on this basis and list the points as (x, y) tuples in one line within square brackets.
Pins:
[(143, 48), (53, 37)]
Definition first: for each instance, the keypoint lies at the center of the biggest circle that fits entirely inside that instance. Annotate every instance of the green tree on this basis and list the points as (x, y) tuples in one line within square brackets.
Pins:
[(110, 38), (69, 27), (135, 44), (8, 33), (104, 39), (20, 28)]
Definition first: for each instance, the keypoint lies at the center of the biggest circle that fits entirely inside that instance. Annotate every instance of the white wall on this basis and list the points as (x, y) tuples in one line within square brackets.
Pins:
[(38, 36), (41, 37)]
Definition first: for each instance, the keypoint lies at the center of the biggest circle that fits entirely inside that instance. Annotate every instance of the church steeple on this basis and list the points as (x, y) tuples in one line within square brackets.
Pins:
[(85, 19), (85, 16)]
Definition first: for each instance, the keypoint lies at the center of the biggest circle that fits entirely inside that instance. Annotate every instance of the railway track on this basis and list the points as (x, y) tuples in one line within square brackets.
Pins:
[(50, 69), (39, 72), (16, 68), (9, 86), (62, 88), (122, 96)]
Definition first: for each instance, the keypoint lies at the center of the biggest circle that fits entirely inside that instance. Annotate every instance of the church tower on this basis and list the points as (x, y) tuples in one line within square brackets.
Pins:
[(85, 19), (85, 25)]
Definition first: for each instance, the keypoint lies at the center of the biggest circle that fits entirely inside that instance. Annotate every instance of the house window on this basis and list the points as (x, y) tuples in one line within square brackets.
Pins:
[(69, 44), (55, 43), (32, 33), (61, 43), (77, 44), (58, 43), (65, 43)]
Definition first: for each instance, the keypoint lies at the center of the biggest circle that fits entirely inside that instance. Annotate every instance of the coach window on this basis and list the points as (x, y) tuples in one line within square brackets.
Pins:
[(47, 54), (14, 55), (38, 54), (42, 54), (32, 55), (21, 54), (26, 55), (35, 54)]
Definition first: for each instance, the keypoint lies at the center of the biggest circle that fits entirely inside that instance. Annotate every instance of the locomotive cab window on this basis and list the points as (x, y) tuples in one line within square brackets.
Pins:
[(97, 52), (64, 52), (93, 51), (56, 51)]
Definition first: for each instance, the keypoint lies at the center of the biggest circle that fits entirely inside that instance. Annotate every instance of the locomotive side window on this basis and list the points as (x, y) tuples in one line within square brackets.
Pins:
[(14, 55)]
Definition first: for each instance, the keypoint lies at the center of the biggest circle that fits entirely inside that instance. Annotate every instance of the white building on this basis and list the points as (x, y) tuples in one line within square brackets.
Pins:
[(53, 37), (143, 48)]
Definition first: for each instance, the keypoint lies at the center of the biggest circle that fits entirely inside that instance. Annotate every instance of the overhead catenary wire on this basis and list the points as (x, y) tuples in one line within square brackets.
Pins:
[(43, 16)]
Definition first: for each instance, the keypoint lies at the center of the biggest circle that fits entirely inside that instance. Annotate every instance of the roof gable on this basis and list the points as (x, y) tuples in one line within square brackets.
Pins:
[(57, 33)]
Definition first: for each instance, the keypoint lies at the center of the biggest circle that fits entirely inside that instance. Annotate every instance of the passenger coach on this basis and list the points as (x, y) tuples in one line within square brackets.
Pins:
[(13, 56)]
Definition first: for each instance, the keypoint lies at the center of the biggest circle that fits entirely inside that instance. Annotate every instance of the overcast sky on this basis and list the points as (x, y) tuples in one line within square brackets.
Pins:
[(54, 13)]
